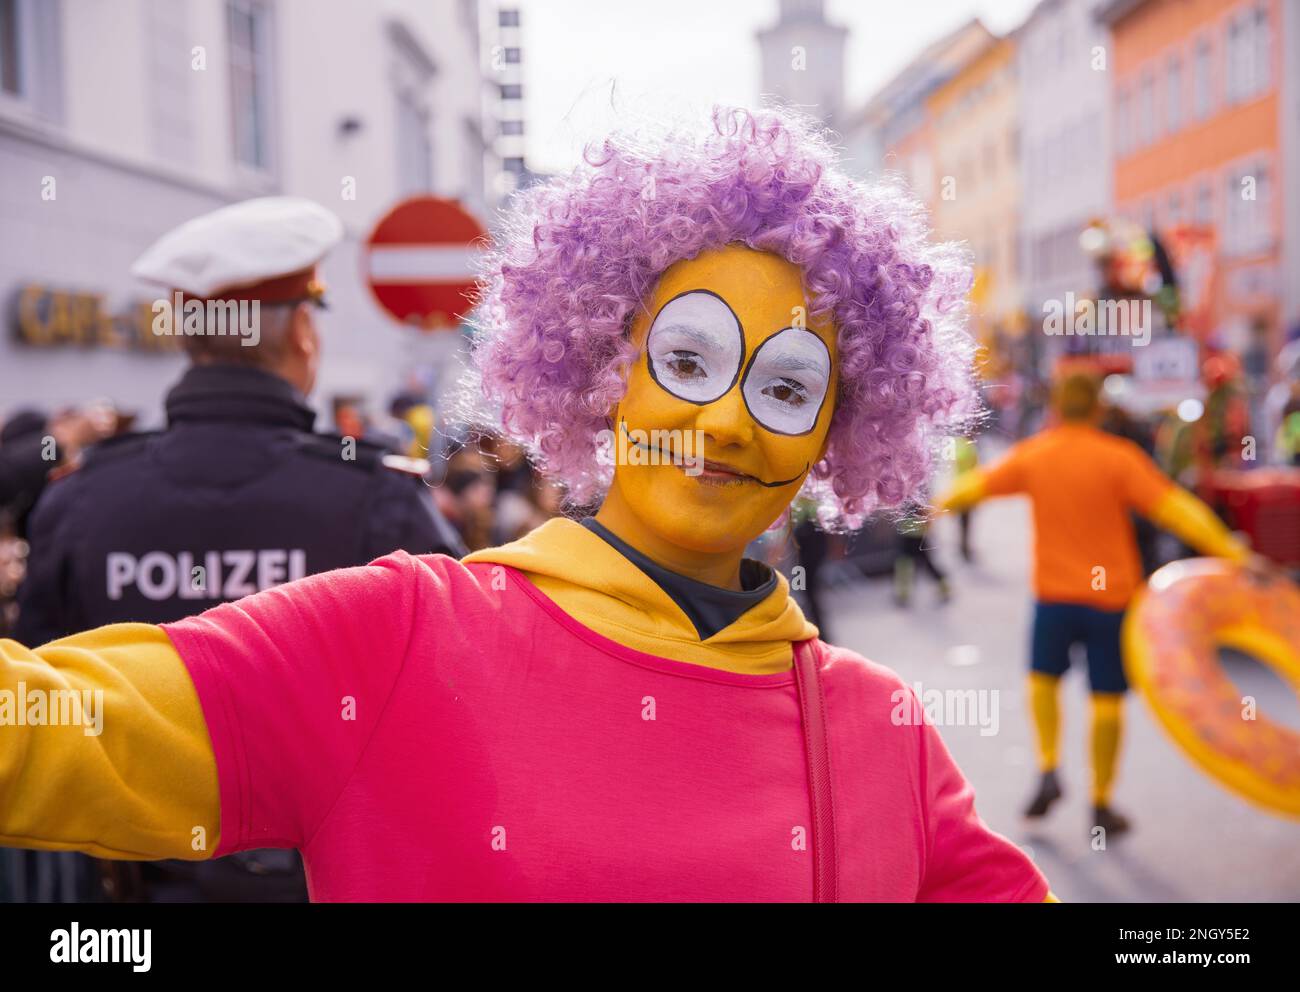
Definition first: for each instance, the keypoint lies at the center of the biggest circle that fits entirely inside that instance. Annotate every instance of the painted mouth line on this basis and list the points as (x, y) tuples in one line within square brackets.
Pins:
[(780, 483), (718, 468)]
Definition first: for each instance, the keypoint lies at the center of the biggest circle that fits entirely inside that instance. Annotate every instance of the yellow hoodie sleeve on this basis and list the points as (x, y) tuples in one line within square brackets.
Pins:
[(104, 749), (1185, 516), (967, 489)]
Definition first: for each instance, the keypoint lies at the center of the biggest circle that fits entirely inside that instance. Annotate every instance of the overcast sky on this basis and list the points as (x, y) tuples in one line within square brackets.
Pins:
[(692, 53)]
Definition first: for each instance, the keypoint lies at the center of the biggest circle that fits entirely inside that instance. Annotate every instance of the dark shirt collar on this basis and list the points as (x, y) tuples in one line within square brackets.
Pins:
[(709, 608), (237, 392)]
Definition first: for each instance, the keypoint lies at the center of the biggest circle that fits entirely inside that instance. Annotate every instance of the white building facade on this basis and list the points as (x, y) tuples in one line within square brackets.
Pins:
[(1064, 61), (120, 120)]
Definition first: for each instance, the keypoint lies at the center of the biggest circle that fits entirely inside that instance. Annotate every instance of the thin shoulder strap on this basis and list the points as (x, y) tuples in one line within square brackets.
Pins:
[(812, 708)]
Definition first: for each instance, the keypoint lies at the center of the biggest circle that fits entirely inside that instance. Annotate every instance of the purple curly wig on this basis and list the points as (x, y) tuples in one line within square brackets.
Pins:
[(580, 254)]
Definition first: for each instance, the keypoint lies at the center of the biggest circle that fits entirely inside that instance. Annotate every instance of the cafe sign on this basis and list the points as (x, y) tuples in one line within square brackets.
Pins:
[(46, 317)]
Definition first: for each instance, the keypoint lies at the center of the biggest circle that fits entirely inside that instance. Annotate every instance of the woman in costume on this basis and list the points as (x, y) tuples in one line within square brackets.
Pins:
[(1085, 484), (691, 332)]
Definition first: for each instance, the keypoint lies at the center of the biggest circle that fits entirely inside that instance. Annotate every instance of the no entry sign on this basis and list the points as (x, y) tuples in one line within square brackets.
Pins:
[(418, 261)]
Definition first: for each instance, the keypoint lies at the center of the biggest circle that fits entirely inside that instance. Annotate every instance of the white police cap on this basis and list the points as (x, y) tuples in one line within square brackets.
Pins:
[(241, 245)]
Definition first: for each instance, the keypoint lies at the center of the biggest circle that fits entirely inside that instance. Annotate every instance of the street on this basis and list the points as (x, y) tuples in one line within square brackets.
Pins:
[(1191, 839)]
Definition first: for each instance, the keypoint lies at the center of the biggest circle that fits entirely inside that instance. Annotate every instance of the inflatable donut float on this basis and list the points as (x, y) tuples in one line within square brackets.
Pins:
[(1172, 634)]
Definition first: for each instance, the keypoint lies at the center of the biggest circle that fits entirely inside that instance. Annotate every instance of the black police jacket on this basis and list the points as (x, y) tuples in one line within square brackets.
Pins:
[(235, 496)]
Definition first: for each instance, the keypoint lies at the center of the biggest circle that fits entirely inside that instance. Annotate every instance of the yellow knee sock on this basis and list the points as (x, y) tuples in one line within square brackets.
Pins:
[(1107, 730), (1046, 711)]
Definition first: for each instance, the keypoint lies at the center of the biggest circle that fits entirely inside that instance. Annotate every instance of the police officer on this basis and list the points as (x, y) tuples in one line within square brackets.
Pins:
[(237, 493)]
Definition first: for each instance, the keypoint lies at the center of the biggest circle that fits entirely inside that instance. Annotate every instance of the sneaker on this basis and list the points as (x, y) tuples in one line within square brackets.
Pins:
[(1049, 790), (1113, 823)]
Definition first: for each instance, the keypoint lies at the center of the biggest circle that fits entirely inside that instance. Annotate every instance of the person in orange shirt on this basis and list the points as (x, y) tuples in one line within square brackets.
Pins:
[(1083, 483)]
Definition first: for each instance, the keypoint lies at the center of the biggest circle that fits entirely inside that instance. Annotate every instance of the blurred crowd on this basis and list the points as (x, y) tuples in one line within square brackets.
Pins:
[(491, 493), (36, 448)]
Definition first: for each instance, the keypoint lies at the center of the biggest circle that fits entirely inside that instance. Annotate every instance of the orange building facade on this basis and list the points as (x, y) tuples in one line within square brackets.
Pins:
[(1197, 142)]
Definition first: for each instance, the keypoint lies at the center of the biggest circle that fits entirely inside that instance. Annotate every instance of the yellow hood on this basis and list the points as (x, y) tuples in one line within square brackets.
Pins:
[(593, 583)]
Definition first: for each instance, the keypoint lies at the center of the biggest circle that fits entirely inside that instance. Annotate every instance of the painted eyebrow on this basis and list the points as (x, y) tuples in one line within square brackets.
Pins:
[(690, 331), (795, 363)]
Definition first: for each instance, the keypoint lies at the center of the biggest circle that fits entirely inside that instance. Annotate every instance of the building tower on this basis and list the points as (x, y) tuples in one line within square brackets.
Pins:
[(803, 60), (508, 170)]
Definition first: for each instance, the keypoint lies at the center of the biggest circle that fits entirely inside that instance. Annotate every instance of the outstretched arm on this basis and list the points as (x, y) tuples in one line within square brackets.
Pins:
[(1170, 507), (104, 749), (967, 489), (1193, 522), (1004, 478), (234, 729)]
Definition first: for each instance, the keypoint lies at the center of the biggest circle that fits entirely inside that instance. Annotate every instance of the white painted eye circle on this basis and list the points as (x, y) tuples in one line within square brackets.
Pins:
[(695, 347), (787, 380)]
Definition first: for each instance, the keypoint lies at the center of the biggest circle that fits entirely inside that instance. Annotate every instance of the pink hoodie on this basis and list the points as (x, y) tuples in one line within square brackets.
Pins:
[(427, 730)]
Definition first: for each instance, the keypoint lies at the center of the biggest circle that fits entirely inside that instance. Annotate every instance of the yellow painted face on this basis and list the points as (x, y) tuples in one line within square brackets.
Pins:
[(729, 402)]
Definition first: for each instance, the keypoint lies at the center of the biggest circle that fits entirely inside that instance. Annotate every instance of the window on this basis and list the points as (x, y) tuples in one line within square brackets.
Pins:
[(412, 79), (1147, 110), (11, 68), (1123, 121), (512, 91), (1249, 50), (1263, 48), (1174, 94), (508, 19), (1232, 60), (31, 59), (1247, 224), (513, 165), (1262, 210), (512, 56), (1204, 203), (512, 127), (414, 149), (1203, 98), (1234, 214), (248, 23), (1239, 58)]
